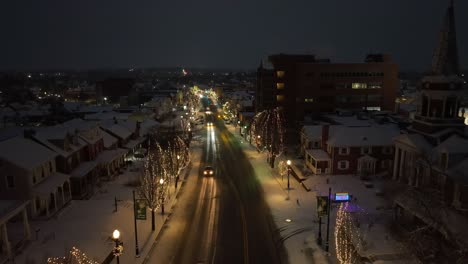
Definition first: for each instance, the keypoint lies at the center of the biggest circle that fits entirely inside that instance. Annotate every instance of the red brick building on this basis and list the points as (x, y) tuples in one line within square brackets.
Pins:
[(303, 85), (339, 149)]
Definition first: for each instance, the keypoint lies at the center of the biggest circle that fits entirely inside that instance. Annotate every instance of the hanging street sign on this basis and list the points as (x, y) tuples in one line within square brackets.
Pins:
[(140, 209), (322, 205)]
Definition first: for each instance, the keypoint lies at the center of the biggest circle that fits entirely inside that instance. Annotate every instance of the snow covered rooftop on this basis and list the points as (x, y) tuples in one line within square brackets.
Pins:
[(362, 136), (109, 140), (416, 141), (454, 144), (25, 153), (118, 130), (318, 154), (312, 132), (50, 184), (110, 155), (107, 116)]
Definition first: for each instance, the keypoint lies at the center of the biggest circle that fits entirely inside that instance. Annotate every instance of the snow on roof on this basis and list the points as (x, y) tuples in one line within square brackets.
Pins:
[(83, 169), (312, 132), (109, 140), (46, 134), (118, 130), (362, 136), (416, 141), (318, 154), (88, 130), (110, 155), (50, 184), (129, 124), (350, 120), (107, 116), (453, 144), (25, 153)]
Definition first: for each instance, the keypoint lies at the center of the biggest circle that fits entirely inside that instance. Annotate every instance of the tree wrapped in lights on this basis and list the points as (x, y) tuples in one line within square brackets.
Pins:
[(153, 171), (345, 234), (75, 256), (177, 157), (268, 130)]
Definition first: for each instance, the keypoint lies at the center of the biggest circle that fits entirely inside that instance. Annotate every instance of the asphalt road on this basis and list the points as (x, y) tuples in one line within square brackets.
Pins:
[(220, 219)]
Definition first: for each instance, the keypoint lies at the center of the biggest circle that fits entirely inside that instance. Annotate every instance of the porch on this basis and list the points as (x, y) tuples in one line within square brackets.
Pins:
[(51, 195), (318, 161)]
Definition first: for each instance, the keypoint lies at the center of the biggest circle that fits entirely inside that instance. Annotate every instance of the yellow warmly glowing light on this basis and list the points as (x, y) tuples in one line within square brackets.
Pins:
[(116, 234)]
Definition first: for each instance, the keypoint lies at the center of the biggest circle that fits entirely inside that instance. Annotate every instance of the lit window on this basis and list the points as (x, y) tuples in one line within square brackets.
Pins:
[(280, 74), (280, 98), (375, 85), (309, 100), (279, 85), (359, 85)]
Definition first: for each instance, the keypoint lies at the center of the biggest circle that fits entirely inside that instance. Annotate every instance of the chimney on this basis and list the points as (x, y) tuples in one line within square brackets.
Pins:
[(325, 133)]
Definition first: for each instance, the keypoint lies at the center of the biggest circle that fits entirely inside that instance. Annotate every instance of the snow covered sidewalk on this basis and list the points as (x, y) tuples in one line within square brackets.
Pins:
[(88, 224), (295, 214)]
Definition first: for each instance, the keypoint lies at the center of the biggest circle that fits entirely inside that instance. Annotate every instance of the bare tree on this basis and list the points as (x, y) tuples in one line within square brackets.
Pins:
[(154, 171), (268, 129), (177, 157)]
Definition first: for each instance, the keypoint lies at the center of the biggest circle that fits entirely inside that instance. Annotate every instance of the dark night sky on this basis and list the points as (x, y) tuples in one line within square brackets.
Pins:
[(41, 34)]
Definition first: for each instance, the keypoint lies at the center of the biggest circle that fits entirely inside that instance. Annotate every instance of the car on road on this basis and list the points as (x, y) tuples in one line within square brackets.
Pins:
[(209, 124), (208, 171)]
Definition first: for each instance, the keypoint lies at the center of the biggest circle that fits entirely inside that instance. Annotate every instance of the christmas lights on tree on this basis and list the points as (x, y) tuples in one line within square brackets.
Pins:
[(346, 234), (267, 128), (75, 256)]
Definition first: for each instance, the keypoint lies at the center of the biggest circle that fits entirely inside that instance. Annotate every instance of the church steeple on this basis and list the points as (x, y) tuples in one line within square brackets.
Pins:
[(445, 58)]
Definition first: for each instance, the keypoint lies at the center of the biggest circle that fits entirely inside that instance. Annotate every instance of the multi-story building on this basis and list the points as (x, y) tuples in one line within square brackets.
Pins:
[(30, 173), (303, 85), (432, 159), (340, 149)]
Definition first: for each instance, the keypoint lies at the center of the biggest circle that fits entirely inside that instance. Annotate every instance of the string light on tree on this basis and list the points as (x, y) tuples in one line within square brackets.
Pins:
[(345, 235), (75, 256)]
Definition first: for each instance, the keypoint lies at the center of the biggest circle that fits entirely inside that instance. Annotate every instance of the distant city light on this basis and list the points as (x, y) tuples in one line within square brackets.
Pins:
[(105, 98), (29, 76)]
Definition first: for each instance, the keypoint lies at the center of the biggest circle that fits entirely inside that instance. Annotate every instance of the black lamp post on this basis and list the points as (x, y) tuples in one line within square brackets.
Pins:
[(289, 170), (118, 249), (161, 181)]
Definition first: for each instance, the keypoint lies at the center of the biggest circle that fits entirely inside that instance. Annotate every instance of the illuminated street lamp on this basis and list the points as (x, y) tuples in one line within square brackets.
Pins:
[(161, 181), (289, 170), (118, 249)]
